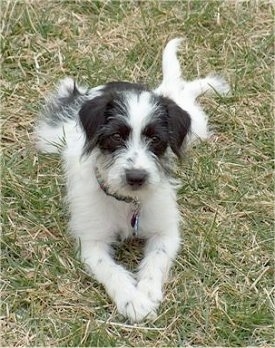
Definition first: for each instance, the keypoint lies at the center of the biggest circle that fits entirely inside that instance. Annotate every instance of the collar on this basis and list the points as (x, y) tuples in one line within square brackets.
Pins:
[(127, 199)]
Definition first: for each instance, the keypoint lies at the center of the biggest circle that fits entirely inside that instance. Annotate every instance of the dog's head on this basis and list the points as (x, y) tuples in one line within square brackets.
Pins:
[(132, 130)]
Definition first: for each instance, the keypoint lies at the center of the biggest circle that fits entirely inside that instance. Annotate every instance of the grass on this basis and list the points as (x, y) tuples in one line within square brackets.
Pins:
[(221, 288)]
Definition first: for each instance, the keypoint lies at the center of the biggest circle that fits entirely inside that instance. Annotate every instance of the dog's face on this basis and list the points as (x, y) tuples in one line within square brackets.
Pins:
[(132, 131)]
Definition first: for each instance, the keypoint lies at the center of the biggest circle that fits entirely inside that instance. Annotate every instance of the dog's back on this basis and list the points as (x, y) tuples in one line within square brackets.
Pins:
[(58, 117)]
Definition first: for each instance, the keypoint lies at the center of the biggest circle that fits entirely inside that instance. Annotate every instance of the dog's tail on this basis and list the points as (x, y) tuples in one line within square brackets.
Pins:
[(170, 69), (170, 64), (57, 119)]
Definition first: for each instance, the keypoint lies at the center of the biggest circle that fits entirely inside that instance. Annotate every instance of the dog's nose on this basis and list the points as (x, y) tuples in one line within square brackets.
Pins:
[(136, 177)]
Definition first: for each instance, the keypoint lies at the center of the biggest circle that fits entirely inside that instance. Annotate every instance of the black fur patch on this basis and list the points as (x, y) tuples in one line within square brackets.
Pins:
[(92, 118), (179, 123), (156, 133), (113, 135)]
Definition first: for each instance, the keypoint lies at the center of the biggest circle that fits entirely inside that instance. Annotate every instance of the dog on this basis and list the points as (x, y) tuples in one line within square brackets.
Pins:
[(119, 143)]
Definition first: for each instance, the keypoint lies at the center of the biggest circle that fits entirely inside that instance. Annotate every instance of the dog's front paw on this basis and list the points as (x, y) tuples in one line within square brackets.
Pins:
[(151, 290), (137, 308)]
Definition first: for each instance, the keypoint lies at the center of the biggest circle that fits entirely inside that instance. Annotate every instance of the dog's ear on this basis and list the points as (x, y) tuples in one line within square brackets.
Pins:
[(179, 123), (92, 117)]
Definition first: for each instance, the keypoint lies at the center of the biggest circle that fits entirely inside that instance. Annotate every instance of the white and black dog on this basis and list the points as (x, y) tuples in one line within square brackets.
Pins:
[(119, 142)]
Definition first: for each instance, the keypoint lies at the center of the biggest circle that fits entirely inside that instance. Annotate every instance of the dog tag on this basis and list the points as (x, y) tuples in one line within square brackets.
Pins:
[(134, 223)]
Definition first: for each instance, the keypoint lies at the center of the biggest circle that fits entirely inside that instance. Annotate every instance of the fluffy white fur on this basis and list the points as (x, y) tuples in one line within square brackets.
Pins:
[(96, 218)]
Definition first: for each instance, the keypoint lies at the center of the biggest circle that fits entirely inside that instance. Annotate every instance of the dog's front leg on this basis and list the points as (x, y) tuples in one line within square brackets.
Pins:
[(118, 282), (160, 251)]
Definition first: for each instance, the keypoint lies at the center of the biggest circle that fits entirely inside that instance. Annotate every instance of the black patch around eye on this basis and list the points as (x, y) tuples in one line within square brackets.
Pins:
[(156, 136), (113, 136)]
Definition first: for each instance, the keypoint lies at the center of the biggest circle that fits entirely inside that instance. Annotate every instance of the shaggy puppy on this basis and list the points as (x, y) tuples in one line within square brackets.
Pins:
[(118, 143)]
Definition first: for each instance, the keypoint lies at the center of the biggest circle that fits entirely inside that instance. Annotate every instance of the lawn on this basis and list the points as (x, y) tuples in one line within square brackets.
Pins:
[(220, 291)]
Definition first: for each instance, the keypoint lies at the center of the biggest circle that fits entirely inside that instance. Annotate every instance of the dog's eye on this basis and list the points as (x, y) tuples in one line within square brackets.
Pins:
[(116, 137), (155, 139)]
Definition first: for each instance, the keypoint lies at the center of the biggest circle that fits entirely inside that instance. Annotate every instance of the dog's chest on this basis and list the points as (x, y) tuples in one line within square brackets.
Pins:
[(129, 222)]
